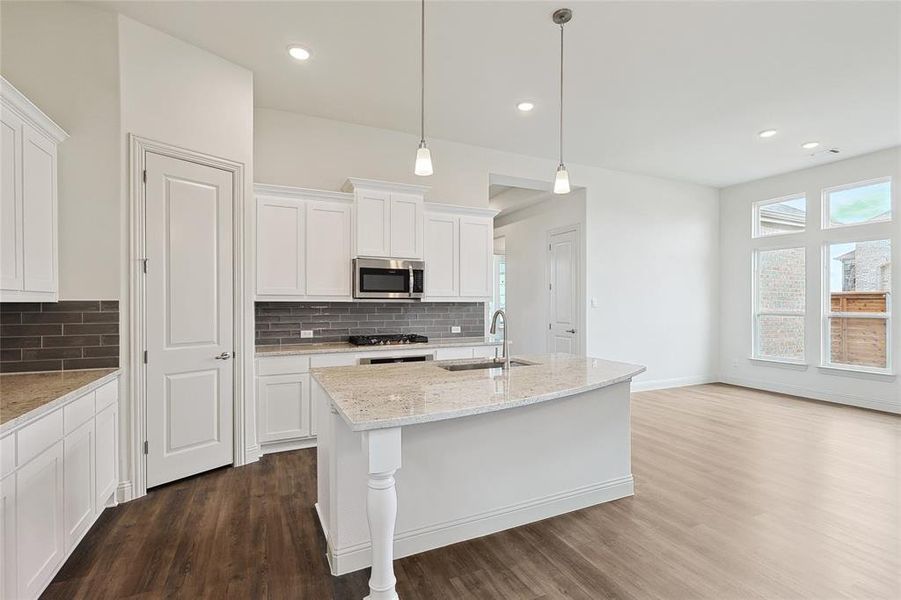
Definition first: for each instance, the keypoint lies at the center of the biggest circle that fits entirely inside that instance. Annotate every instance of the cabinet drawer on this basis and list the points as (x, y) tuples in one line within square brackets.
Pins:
[(452, 353), (107, 394), (334, 360), (282, 365), (7, 455), (38, 436), (78, 411)]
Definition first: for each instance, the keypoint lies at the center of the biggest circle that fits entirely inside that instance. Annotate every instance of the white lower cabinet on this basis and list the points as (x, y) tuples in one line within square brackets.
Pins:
[(58, 472), (284, 402), (106, 456), (40, 539), (8, 550), (78, 467)]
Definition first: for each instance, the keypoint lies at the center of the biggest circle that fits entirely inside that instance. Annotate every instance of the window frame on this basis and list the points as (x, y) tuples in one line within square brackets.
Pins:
[(756, 313), (825, 218), (755, 216), (827, 314)]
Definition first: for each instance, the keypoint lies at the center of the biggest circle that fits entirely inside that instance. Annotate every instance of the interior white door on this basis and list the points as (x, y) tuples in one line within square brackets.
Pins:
[(563, 292), (189, 318)]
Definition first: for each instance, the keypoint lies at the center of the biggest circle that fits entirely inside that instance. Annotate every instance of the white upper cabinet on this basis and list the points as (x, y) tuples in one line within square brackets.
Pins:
[(458, 252), (303, 244), (406, 225), (281, 260), (442, 255), (373, 223), (388, 218), (28, 199), (328, 248)]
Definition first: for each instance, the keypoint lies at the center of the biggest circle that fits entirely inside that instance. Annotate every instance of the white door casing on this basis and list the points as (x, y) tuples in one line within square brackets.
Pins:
[(189, 335), (563, 291)]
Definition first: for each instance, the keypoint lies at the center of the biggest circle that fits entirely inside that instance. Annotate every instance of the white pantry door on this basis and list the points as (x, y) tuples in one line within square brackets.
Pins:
[(563, 292), (189, 318)]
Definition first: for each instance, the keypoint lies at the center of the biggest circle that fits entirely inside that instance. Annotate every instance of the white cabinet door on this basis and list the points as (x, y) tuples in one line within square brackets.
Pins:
[(8, 537), (106, 455), (476, 250), (39, 512), (442, 255), (11, 261), (373, 223), (406, 225), (39, 211), (78, 473), (452, 353), (280, 247), (328, 249), (284, 403)]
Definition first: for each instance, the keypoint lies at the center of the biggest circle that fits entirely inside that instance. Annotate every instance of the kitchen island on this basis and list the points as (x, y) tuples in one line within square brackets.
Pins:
[(481, 450)]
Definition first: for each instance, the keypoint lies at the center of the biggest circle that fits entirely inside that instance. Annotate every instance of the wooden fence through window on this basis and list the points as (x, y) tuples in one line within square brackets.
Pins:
[(860, 342)]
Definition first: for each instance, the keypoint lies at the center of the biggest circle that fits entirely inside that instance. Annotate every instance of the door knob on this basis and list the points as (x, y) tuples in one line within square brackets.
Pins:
[(223, 356), (570, 331)]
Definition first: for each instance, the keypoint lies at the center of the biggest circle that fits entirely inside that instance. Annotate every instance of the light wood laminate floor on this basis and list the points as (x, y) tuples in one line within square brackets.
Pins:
[(739, 494)]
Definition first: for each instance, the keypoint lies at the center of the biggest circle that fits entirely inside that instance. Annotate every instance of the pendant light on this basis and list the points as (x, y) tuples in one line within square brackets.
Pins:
[(561, 181), (423, 165)]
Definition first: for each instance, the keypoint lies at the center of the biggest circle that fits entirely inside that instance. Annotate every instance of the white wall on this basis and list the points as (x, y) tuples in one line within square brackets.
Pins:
[(178, 94), (735, 267), (524, 235), (64, 57), (652, 243)]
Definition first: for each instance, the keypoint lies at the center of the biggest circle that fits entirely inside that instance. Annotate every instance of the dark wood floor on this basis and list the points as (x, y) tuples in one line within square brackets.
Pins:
[(739, 495)]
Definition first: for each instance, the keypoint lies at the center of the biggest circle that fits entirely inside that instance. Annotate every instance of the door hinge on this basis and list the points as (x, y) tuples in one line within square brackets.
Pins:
[(146, 447), (550, 286), (549, 326), (144, 176), (145, 357), (548, 246), (145, 261)]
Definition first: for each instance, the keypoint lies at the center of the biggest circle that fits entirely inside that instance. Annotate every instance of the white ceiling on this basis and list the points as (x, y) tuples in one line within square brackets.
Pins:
[(675, 89)]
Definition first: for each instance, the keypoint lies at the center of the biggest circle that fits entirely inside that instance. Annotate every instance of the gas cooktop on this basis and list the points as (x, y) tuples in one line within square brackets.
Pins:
[(392, 339)]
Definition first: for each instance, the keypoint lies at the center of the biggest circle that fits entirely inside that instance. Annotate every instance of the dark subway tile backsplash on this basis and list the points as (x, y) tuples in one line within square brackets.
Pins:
[(282, 322), (71, 334)]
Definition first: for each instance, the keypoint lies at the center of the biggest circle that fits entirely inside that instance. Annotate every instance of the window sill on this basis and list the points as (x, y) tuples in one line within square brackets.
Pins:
[(861, 372), (781, 363)]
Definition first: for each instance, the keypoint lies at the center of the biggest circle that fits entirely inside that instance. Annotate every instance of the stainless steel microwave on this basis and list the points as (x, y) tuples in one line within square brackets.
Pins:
[(388, 279)]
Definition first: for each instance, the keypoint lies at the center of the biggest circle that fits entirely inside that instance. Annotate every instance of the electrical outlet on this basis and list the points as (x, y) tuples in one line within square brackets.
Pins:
[(306, 333), (455, 329)]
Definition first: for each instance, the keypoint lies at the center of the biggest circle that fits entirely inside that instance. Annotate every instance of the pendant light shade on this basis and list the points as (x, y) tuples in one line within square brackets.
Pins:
[(561, 181), (423, 164)]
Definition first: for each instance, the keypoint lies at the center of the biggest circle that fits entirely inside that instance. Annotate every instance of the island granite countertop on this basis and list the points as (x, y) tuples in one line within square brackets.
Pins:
[(336, 347), (24, 396), (393, 395)]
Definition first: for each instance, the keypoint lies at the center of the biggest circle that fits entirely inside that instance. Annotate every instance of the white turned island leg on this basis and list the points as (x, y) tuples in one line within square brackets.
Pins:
[(383, 448)]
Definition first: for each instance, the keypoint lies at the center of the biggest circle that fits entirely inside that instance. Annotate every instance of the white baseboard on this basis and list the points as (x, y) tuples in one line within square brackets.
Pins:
[(252, 454), (359, 556), (270, 447), (803, 392), (660, 384), (125, 492)]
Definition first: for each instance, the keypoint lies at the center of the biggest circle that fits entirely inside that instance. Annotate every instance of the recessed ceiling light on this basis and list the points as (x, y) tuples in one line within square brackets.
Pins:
[(767, 133), (525, 106), (298, 53), (810, 145)]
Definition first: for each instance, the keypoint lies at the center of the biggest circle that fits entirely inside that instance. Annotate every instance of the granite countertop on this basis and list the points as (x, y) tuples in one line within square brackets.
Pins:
[(392, 395), (336, 347), (24, 396)]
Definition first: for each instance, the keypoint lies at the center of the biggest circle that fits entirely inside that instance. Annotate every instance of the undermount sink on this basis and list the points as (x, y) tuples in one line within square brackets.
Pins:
[(488, 364)]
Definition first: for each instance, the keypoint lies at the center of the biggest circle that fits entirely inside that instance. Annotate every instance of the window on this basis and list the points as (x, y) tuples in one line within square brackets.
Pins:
[(779, 216), (858, 305), (858, 203), (779, 304)]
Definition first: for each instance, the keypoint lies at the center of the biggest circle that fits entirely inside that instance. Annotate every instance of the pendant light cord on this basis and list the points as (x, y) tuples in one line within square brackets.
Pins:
[(561, 94), (422, 75)]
